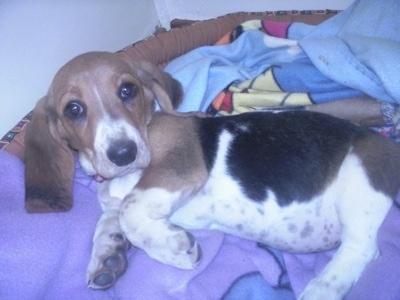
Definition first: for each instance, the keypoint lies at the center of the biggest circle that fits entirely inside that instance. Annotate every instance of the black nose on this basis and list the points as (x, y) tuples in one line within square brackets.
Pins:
[(122, 153)]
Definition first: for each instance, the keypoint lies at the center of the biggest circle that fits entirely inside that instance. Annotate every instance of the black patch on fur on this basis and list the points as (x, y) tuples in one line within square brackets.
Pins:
[(209, 131), (293, 154)]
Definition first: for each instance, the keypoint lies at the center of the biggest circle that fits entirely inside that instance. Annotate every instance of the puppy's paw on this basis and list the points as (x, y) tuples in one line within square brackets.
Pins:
[(184, 251), (108, 263), (176, 247)]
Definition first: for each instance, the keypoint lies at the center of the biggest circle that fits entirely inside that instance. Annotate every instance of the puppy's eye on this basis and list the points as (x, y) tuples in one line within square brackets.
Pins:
[(75, 110), (127, 91)]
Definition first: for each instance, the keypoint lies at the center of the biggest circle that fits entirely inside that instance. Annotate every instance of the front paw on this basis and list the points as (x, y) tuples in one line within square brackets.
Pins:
[(144, 219), (168, 244), (108, 263), (183, 251)]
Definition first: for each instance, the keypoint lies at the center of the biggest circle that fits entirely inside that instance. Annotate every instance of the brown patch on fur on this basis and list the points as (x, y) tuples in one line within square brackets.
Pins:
[(381, 158), (177, 161), (49, 167)]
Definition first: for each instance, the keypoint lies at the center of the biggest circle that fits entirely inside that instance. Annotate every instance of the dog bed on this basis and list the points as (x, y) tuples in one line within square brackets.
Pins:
[(45, 256)]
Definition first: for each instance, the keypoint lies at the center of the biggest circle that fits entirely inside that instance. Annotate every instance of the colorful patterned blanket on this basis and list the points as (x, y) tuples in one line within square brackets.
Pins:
[(286, 84), (266, 64)]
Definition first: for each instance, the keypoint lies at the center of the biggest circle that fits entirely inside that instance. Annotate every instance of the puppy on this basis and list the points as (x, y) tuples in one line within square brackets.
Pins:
[(296, 181)]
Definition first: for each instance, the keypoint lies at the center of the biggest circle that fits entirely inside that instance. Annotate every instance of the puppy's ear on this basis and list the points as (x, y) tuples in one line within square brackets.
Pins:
[(166, 90), (49, 165)]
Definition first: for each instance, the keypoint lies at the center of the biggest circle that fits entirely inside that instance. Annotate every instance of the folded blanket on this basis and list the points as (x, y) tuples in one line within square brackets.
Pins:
[(360, 48), (289, 84), (351, 54), (44, 256)]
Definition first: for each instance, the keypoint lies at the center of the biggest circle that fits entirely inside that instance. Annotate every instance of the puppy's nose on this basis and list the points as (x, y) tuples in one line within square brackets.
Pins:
[(122, 153)]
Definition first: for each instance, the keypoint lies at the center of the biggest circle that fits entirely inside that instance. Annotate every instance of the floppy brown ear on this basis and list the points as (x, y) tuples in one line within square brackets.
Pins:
[(167, 91), (49, 166)]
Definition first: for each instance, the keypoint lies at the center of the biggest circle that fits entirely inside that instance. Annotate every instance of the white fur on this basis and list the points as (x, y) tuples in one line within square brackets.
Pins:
[(319, 224), (144, 220), (324, 222), (108, 131)]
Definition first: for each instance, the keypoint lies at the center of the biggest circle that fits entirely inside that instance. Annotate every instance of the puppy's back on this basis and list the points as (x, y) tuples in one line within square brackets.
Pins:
[(297, 154)]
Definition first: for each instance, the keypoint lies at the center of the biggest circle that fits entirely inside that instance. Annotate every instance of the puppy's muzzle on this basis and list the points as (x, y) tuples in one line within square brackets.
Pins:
[(122, 152)]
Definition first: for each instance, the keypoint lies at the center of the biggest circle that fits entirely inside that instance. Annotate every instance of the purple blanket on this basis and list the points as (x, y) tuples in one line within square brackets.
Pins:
[(44, 256)]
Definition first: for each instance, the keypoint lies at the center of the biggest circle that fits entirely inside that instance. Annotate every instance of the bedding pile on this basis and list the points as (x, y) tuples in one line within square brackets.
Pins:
[(267, 65), (45, 256)]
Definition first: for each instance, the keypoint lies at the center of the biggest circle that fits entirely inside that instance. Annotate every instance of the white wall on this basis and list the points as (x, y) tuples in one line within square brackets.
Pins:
[(38, 36), (206, 9)]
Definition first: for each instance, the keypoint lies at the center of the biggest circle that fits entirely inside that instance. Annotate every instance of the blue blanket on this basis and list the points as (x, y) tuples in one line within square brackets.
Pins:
[(354, 53)]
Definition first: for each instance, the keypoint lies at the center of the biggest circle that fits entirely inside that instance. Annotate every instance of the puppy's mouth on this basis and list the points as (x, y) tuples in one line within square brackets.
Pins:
[(101, 168), (98, 178)]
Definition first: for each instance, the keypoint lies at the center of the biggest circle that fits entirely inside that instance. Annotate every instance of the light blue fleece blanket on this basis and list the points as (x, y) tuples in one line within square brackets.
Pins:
[(360, 48), (356, 51)]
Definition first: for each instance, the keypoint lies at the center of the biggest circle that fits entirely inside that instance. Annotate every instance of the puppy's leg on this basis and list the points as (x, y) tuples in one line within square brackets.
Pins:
[(108, 259), (361, 210), (144, 220)]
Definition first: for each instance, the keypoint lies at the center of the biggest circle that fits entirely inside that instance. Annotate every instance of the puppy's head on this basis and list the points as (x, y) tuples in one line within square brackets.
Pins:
[(99, 104)]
